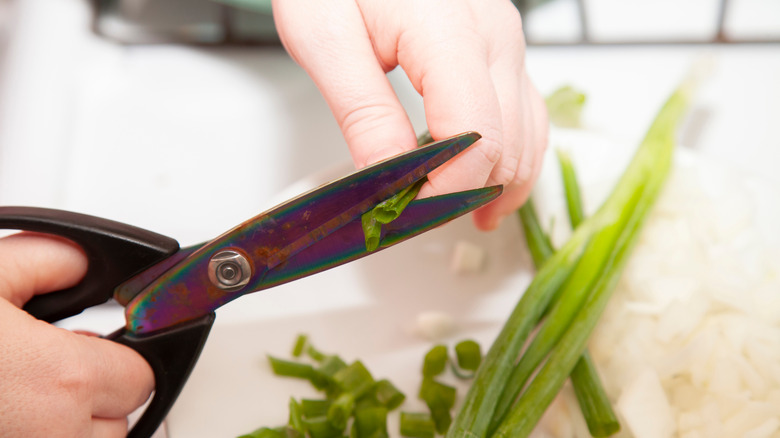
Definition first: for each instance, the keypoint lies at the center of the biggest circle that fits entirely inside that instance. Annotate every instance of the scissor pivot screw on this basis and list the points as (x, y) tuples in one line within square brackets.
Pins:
[(229, 270)]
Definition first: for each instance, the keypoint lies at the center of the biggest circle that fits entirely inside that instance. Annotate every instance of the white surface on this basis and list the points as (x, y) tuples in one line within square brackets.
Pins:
[(188, 142)]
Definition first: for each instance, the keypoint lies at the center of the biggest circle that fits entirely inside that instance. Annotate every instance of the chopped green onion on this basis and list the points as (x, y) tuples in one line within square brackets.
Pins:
[(468, 354), (321, 427), (295, 420), (435, 361), (355, 379), (564, 107), (417, 425), (311, 408), (340, 410), (440, 398), (370, 422), (300, 344), (331, 364), (388, 395), (314, 353)]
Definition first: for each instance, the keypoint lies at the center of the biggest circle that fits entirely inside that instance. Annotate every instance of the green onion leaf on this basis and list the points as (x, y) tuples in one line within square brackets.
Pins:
[(321, 427), (370, 422), (386, 212), (295, 421), (340, 410), (311, 408), (300, 344), (388, 395)]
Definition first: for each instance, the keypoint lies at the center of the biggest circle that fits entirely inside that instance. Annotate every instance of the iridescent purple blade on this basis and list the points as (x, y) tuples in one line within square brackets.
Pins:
[(268, 241), (348, 243)]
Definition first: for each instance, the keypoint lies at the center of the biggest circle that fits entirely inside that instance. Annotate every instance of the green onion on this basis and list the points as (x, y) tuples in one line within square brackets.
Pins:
[(538, 242), (321, 427), (340, 410), (388, 395), (314, 408), (468, 354), (370, 423), (440, 399), (573, 196), (617, 221), (435, 361), (564, 107), (417, 425), (295, 421), (386, 212), (355, 379), (314, 353), (300, 344)]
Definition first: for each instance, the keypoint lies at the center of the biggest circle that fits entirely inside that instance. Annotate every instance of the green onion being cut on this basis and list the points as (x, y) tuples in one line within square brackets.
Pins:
[(636, 191), (389, 209), (417, 425), (435, 361), (386, 212), (468, 354)]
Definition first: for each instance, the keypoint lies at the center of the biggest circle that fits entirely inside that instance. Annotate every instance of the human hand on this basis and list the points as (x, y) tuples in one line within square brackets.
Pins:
[(466, 59), (56, 383)]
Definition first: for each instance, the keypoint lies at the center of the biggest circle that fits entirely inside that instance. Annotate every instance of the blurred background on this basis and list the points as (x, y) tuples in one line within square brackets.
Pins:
[(187, 116)]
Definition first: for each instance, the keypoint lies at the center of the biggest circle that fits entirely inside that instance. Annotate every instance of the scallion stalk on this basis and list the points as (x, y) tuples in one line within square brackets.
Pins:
[(637, 188)]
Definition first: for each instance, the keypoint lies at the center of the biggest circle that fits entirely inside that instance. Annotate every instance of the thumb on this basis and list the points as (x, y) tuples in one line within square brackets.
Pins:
[(341, 60)]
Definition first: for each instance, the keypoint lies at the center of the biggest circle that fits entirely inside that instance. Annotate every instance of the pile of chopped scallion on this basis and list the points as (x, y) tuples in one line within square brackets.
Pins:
[(356, 405)]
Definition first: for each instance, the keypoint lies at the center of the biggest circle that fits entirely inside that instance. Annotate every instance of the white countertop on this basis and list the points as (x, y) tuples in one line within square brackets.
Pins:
[(188, 141)]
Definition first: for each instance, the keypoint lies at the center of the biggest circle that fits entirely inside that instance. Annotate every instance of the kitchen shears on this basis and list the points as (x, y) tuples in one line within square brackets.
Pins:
[(170, 294)]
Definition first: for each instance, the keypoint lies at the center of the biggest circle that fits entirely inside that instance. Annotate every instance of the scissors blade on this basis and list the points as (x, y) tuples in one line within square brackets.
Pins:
[(188, 289), (348, 243)]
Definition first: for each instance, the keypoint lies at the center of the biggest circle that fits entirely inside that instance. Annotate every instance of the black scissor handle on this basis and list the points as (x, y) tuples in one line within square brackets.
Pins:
[(172, 355), (115, 251)]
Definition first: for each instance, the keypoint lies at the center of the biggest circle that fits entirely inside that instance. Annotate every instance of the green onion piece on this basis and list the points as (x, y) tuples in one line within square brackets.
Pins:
[(594, 403), (538, 242), (643, 179), (388, 395), (331, 364), (440, 398), (435, 361), (564, 107), (572, 189), (300, 344), (287, 368), (386, 212), (340, 410), (295, 421), (315, 354), (266, 432), (469, 354), (321, 427), (370, 422), (311, 408), (355, 379), (417, 425)]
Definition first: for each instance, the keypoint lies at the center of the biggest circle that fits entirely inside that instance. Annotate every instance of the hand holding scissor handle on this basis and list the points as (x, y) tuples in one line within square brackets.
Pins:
[(170, 294)]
